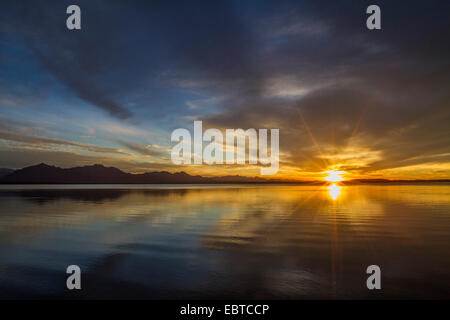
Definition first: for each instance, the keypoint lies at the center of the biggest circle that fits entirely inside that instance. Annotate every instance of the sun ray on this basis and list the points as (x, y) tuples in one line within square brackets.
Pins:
[(312, 138)]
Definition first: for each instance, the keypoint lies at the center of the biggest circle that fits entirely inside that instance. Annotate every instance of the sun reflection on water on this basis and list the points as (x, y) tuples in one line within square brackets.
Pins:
[(334, 191)]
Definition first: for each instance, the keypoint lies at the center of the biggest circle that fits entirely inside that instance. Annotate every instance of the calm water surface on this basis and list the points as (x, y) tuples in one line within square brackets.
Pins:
[(253, 242)]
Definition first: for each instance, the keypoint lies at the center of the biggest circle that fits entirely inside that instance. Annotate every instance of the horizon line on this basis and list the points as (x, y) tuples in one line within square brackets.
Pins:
[(262, 180)]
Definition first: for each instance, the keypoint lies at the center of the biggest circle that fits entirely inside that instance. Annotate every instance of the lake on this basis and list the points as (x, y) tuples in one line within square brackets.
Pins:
[(225, 241)]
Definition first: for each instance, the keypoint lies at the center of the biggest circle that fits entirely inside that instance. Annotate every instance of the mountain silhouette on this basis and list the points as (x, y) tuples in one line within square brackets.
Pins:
[(5, 172), (99, 174)]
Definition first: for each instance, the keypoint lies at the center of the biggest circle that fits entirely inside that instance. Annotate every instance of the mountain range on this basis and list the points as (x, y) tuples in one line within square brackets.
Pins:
[(99, 174), (5, 172)]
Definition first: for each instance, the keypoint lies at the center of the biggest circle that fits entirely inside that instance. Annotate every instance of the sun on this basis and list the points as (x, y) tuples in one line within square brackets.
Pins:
[(334, 176)]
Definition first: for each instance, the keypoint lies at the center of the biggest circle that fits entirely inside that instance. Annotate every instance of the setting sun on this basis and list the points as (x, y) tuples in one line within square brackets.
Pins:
[(334, 176)]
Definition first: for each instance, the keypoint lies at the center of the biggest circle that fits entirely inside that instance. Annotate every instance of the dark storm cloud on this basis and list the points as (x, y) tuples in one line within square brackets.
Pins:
[(389, 89), (123, 47), (82, 60)]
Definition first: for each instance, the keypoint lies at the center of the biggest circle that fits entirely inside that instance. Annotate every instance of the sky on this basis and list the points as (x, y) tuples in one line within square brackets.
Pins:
[(372, 103)]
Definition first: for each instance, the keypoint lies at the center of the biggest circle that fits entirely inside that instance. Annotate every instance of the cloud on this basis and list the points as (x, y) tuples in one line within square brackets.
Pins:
[(43, 141), (369, 100), (92, 62), (148, 150)]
